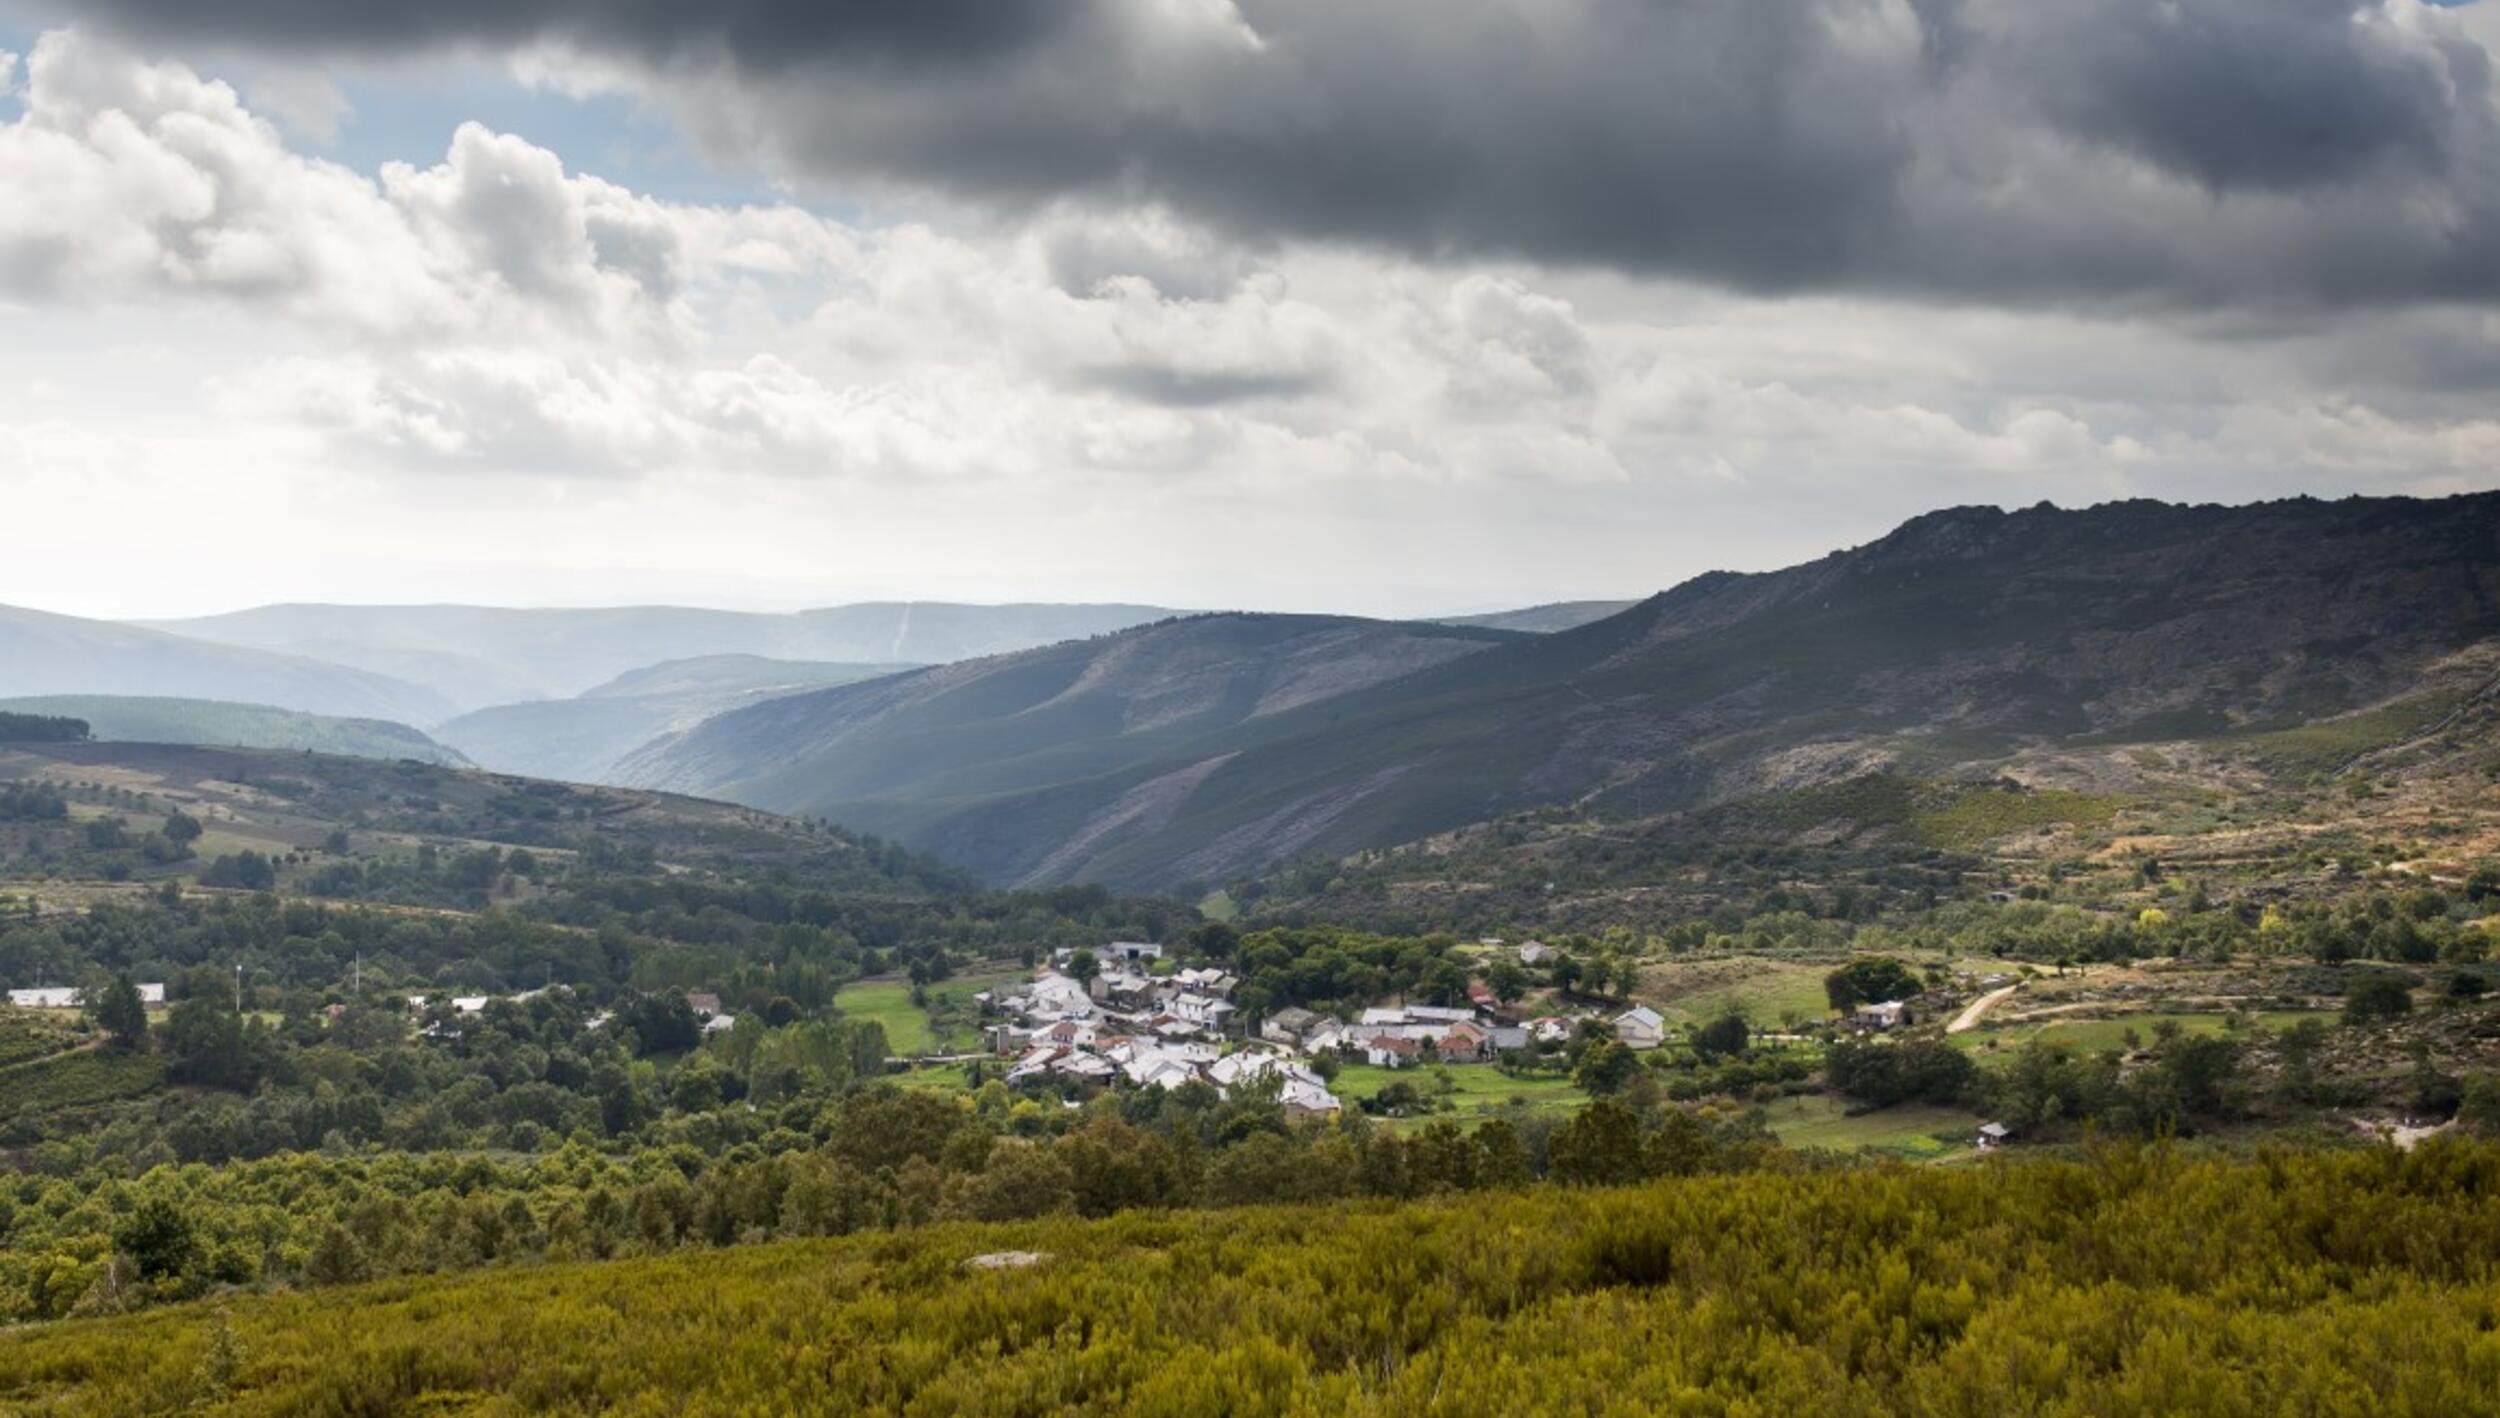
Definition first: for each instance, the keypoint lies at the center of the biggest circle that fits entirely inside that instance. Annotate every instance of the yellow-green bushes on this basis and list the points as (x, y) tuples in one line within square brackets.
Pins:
[(2134, 1282)]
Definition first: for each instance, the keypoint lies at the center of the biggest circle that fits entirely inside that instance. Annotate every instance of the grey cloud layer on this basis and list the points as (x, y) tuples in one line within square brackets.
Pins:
[(764, 34), (2182, 151)]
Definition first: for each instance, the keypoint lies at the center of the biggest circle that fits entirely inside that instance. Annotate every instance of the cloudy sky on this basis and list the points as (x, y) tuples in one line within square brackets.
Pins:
[(1393, 306)]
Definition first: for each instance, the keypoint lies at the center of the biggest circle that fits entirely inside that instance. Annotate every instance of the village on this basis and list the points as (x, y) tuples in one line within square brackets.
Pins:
[(1125, 1015)]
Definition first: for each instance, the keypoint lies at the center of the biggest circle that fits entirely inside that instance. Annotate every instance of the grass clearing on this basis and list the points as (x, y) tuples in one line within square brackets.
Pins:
[(2092, 1036), (948, 1024), (889, 1003), (1765, 991), (1474, 1091), (1917, 1131)]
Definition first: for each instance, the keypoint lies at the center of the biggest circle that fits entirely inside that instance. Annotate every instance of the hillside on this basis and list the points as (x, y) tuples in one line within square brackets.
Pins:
[(906, 754), (476, 656), (582, 739), (143, 719), (44, 654), (2306, 1283), (1545, 619), (1961, 639), (287, 806)]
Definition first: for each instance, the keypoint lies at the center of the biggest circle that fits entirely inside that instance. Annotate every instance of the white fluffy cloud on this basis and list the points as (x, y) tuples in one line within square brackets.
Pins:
[(932, 403)]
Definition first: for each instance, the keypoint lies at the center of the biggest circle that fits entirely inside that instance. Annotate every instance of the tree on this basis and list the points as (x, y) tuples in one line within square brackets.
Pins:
[(1083, 967), (1507, 981), (1600, 1146), (181, 828), (1869, 978), (120, 1014), (1606, 1067), (212, 1045), (2377, 995), (1881, 1074), (1723, 1037), (158, 1239)]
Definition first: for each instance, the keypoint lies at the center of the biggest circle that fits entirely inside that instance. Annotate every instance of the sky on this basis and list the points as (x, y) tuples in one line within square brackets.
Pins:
[(1390, 307)]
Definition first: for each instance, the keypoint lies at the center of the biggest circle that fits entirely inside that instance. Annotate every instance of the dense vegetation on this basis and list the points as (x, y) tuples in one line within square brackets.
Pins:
[(40, 728), (2134, 1282)]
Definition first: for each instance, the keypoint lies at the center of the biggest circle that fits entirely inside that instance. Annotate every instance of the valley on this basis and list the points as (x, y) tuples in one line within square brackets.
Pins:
[(403, 1026)]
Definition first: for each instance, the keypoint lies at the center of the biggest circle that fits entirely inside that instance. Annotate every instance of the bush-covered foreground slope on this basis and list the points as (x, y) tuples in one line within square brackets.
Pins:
[(2131, 1282)]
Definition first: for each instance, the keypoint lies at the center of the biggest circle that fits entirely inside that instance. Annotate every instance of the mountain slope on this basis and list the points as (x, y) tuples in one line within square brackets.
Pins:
[(1961, 637), (142, 719), (1544, 619), (481, 655), (895, 753), (581, 739), (42, 653)]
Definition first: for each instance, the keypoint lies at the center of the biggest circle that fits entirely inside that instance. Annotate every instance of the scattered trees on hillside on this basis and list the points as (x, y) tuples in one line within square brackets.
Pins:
[(2377, 995)]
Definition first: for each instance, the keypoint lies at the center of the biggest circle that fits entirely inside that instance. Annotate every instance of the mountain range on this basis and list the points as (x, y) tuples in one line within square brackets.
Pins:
[(1161, 756), (42, 653), (476, 656), (581, 739)]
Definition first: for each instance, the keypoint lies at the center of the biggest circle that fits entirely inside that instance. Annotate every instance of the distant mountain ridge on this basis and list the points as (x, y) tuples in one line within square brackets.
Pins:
[(475, 656), (1545, 619), (893, 755), (580, 740), (222, 723), (1961, 635), (42, 653)]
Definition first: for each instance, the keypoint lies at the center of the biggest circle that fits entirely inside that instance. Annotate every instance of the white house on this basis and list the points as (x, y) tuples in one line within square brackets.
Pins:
[(1390, 1051), (1205, 1011), (1207, 980), (1891, 1014), (1641, 1027)]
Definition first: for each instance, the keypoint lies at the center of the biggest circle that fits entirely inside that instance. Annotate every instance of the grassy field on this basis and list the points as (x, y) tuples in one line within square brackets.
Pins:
[(1912, 1130), (1764, 991), (1475, 1091), (909, 1028), (889, 1003), (2097, 1035)]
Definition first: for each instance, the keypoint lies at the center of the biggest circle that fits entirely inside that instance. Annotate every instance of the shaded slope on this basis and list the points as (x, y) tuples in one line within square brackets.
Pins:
[(896, 753), (1963, 635)]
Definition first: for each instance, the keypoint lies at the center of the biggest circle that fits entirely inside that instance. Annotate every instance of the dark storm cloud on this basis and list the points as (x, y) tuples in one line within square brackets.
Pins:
[(766, 35), (2271, 93), (2166, 151)]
